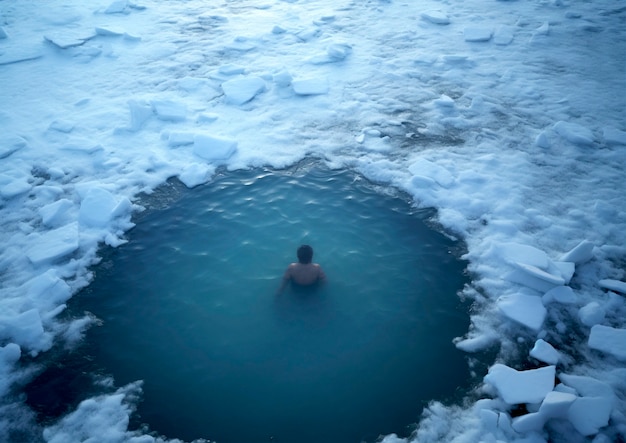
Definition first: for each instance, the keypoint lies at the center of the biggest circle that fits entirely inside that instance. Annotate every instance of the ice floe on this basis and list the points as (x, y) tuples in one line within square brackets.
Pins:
[(516, 387)]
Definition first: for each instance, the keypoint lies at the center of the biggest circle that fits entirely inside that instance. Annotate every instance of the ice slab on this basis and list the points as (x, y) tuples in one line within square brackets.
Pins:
[(504, 35), (560, 294), (3, 33), (53, 245), (168, 110), (26, 329), (566, 269), (10, 144), (10, 353), (587, 386), (489, 419), (527, 310), (282, 78), (517, 387), (526, 423), (19, 54), (310, 86), (477, 343), (591, 314), (613, 285), (581, 253), (575, 133), (338, 51), (175, 139), (589, 414), (436, 17), (47, 290), (543, 351), (520, 253), (14, 188), (556, 404), (108, 32), (99, 207), (65, 40), (117, 7), (525, 279), (609, 340), (614, 136), (213, 148), (196, 174), (241, 90), (535, 272), (140, 111), (56, 213), (478, 33)]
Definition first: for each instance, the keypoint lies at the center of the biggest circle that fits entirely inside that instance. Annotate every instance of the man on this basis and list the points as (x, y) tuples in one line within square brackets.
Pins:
[(303, 273)]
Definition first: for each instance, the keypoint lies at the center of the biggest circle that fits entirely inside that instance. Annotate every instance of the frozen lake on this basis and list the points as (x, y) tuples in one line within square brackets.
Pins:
[(504, 117)]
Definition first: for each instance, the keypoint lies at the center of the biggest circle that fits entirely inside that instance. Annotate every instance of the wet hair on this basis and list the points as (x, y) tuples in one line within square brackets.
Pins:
[(305, 254)]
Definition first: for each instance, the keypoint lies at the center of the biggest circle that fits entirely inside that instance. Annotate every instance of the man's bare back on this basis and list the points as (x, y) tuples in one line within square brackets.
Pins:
[(303, 273)]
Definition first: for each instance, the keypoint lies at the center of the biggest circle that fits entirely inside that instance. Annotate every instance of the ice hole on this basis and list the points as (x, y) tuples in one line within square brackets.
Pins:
[(189, 306)]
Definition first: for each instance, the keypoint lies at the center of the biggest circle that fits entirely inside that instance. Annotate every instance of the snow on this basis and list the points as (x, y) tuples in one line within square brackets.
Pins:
[(507, 117)]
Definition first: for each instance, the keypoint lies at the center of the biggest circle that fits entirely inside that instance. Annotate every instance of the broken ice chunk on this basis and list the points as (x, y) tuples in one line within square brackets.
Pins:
[(241, 90), (213, 148), (560, 294), (525, 309), (436, 17), (613, 285), (556, 404), (575, 133), (589, 414), (591, 314), (310, 86), (517, 387), (544, 352), (581, 253), (53, 245), (609, 340)]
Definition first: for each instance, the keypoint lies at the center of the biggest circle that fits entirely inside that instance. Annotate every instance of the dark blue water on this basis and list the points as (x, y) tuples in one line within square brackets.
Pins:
[(189, 305)]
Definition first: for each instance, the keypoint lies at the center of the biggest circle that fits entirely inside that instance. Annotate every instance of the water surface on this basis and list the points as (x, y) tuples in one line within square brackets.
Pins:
[(189, 305)]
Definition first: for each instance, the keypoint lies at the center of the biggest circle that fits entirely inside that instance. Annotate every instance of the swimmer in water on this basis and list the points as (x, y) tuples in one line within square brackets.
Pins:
[(303, 273)]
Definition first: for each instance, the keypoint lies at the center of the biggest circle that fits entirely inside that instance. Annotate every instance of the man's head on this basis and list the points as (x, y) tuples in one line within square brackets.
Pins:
[(305, 254)]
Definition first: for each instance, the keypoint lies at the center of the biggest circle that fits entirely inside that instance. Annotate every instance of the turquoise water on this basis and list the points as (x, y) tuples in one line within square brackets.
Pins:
[(189, 305)]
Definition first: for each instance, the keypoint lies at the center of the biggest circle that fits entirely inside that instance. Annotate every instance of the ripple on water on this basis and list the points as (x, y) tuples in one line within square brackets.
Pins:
[(189, 306)]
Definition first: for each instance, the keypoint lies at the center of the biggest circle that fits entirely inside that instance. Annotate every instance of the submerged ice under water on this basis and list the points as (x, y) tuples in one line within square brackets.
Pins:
[(192, 298)]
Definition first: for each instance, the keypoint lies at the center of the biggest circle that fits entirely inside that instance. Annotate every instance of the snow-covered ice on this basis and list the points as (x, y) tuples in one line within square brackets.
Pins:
[(545, 352), (609, 340), (507, 117), (515, 387)]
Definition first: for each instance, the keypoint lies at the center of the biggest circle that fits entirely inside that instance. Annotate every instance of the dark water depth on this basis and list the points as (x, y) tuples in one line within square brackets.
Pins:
[(189, 306)]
